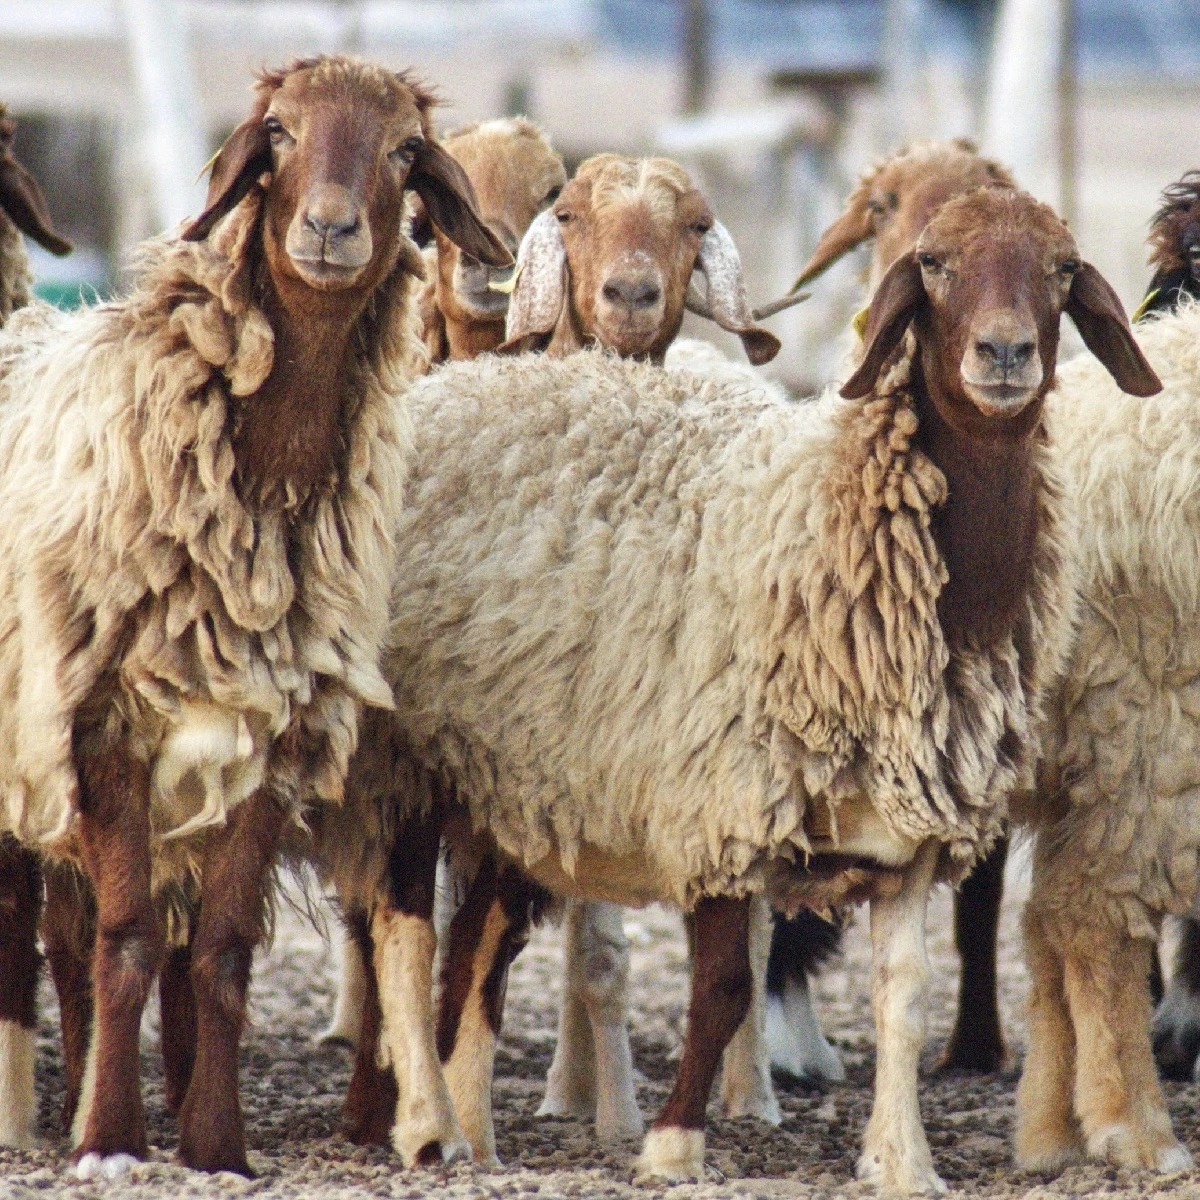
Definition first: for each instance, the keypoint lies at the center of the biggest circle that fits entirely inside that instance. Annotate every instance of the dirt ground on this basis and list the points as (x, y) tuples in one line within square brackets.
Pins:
[(292, 1091)]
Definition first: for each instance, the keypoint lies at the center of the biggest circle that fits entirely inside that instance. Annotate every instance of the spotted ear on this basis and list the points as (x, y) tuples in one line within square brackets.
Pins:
[(897, 300), (451, 204), (245, 155), (541, 281), (725, 303), (851, 229), (1096, 310)]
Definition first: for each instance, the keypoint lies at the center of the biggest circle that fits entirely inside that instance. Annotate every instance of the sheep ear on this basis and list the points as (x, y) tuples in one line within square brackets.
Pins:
[(450, 203), (897, 299), (851, 229), (539, 296), (726, 302), (1101, 321), (245, 155), (22, 199)]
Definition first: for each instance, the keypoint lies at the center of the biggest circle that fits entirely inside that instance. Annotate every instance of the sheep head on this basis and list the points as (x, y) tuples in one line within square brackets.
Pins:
[(983, 291), (20, 197), (1175, 246), (340, 141), (610, 263), (894, 201), (516, 174)]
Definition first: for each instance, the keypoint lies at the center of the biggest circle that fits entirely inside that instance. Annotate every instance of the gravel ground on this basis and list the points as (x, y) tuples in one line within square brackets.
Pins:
[(292, 1092)]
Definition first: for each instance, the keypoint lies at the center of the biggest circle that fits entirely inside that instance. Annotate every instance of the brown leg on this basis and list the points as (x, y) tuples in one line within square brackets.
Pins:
[(721, 988), (236, 867), (370, 1108), (20, 903), (977, 1043), (69, 934), (114, 834), (177, 1003)]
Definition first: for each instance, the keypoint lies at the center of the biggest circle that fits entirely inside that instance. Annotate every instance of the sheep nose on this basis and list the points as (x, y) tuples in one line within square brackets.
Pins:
[(632, 293), (330, 227), (1008, 356)]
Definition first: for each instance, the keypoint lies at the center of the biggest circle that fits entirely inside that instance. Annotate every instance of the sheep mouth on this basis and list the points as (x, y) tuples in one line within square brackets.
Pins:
[(483, 304), (324, 275), (999, 399)]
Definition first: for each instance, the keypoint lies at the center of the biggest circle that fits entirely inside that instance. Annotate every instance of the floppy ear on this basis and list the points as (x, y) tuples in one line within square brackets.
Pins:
[(420, 227), (450, 203), (539, 296), (245, 155), (22, 199), (897, 298), (725, 300), (851, 229), (1100, 319)]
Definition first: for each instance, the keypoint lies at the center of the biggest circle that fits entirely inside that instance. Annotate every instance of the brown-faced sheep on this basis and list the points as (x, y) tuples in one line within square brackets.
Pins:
[(200, 483), (661, 638)]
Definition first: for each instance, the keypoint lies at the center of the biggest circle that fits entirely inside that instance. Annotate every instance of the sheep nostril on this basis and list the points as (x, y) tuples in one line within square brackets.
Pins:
[(632, 293), (1022, 353), (332, 228), (987, 350)]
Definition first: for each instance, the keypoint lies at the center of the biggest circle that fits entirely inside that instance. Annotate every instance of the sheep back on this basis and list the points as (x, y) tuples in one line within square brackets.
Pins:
[(138, 595), (655, 614)]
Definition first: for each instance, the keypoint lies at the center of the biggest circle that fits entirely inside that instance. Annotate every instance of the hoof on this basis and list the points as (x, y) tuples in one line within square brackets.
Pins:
[(337, 1037), (555, 1105), (1176, 1032), (614, 1127), (756, 1106), (104, 1166), (671, 1155), (899, 1178), (1124, 1146), (442, 1154), (975, 1058), (795, 1042)]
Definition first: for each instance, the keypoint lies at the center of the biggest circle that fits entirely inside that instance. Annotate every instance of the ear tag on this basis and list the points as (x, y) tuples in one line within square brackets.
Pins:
[(204, 170), (858, 322), (509, 285), (1143, 308)]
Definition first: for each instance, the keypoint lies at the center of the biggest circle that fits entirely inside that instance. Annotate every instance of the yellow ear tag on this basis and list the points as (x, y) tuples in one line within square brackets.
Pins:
[(1144, 307), (510, 284), (859, 321)]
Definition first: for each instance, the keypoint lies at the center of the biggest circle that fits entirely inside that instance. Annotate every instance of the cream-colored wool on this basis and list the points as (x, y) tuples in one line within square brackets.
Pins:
[(1123, 750), (136, 588), (640, 613)]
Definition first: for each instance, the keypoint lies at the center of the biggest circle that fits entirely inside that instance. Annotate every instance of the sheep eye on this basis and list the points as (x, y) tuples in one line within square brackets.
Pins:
[(1069, 267), (928, 261), (876, 207), (701, 227), (275, 129), (409, 148), (1194, 252), (563, 216)]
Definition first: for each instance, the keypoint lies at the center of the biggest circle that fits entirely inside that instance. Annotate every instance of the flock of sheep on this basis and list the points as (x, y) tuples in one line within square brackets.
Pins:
[(593, 615)]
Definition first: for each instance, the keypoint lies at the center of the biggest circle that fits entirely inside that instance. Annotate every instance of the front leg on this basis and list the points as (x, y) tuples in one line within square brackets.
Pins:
[(20, 904), (236, 874), (114, 833), (721, 986), (896, 1155)]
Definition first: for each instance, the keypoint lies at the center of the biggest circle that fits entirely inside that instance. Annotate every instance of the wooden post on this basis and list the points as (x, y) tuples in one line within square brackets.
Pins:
[(697, 55), (1067, 105)]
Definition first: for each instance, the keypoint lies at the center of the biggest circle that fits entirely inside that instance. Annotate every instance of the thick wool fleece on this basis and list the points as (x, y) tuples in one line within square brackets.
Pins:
[(138, 595), (656, 615), (1120, 800)]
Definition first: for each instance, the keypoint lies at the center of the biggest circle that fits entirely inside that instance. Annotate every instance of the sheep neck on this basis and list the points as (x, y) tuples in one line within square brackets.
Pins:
[(287, 438), (987, 530), (470, 339)]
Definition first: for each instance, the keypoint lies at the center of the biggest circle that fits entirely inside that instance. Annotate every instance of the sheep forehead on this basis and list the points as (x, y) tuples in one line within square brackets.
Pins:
[(506, 157), (927, 168), (339, 80), (617, 182), (991, 217)]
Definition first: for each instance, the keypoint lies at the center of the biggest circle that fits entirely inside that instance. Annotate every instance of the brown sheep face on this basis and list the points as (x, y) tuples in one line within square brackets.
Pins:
[(991, 275), (516, 175), (1175, 246)]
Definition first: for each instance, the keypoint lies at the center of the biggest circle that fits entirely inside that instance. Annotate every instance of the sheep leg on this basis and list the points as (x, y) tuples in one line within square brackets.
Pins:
[(236, 868), (20, 904), (593, 1065), (746, 1089), (177, 1009), (977, 1043), (1047, 1132), (720, 999), (1177, 1021), (896, 1156), (1120, 1104), (114, 834), (346, 1025), (69, 935), (426, 1129), (487, 933), (370, 1108)]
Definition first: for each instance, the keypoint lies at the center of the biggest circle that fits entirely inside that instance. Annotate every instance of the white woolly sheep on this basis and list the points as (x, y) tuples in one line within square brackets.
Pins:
[(659, 638), (199, 484)]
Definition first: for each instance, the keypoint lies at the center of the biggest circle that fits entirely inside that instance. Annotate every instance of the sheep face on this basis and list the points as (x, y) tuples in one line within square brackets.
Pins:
[(516, 174), (1175, 245), (983, 292)]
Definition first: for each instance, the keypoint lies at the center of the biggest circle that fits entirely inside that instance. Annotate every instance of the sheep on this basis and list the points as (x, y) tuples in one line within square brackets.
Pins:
[(22, 211), (1116, 827), (199, 484), (889, 206), (658, 638)]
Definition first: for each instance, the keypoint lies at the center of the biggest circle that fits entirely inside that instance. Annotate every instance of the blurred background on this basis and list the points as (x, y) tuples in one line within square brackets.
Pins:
[(775, 106)]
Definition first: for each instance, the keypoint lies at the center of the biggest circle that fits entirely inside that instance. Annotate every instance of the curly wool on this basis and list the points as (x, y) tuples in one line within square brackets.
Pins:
[(1119, 803), (139, 594), (657, 616)]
